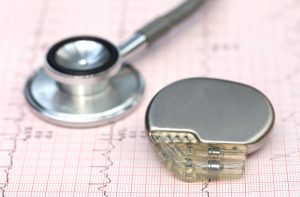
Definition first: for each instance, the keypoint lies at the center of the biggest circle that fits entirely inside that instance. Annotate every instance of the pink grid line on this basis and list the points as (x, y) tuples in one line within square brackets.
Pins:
[(253, 42)]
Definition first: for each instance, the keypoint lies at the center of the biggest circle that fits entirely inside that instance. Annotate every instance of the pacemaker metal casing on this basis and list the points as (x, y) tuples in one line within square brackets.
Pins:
[(213, 111), (216, 111)]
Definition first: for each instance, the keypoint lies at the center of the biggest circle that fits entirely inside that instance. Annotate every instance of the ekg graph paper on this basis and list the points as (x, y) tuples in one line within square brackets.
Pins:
[(254, 42)]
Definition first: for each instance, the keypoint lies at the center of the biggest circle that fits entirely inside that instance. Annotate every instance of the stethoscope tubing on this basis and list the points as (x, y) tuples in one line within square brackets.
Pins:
[(159, 26)]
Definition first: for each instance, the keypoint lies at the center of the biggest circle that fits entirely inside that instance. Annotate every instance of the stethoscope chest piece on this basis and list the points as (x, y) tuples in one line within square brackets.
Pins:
[(83, 84), (205, 127)]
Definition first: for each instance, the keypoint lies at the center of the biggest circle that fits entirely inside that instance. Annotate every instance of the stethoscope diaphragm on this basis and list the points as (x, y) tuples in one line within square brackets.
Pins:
[(84, 81)]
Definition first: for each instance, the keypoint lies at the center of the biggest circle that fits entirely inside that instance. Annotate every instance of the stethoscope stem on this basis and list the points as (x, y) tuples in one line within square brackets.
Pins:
[(159, 26), (136, 41), (83, 90)]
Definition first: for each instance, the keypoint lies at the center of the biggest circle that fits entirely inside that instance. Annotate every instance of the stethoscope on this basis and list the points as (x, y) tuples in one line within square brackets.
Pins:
[(84, 81)]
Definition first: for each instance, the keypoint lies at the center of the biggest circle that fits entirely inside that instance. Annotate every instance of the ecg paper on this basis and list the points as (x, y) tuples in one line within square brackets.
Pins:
[(255, 42)]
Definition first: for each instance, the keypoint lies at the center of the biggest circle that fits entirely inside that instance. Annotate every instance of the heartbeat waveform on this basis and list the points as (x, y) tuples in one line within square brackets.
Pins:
[(286, 157), (205, 187), (109, 162), (106, 154), (20, 118), (290, 116), (110, 139), (14, 138)]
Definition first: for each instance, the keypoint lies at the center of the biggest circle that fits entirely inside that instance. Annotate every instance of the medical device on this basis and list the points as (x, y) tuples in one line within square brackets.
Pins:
[(205, 128), (85, 82)]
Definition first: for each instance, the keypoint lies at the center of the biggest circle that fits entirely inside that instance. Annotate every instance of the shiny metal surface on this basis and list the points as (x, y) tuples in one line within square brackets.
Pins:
[(72, 54), (136, 41), (84, 90), (216, 111), (121, 95), (214, 167), (84, 79), (82, 55), (81, 83)]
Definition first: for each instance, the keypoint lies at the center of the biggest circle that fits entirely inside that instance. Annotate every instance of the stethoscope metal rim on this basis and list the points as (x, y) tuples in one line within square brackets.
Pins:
[(61, 118), (85, 87), (87, 76), (50, 57)]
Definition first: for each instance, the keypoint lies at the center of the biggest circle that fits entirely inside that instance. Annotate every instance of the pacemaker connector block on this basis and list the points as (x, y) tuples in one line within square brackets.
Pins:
[(205, 128)]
